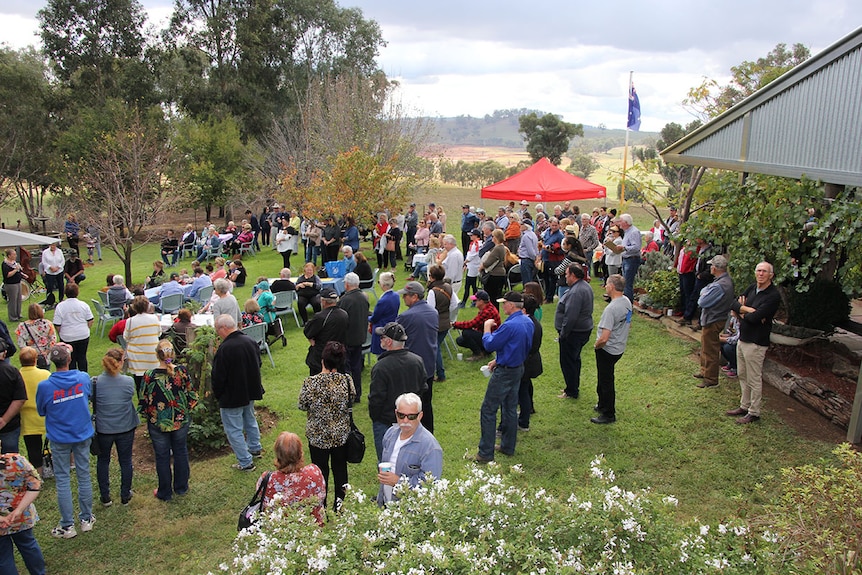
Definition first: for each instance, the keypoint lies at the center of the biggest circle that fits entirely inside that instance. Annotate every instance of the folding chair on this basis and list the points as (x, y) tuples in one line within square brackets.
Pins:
[(368, 285), (171, 303), (257, 332), (515, 270), (283, 303)]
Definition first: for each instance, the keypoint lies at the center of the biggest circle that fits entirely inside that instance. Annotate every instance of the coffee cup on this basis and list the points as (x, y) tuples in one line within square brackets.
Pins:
[(486, 370)]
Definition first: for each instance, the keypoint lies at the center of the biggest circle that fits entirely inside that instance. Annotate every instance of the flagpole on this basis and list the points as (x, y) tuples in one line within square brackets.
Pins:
[(626, 149)]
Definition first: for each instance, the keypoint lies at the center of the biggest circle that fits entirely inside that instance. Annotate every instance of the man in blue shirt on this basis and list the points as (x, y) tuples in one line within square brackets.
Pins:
[(631, 254), (511, 341), (201, 280), (469, 220)]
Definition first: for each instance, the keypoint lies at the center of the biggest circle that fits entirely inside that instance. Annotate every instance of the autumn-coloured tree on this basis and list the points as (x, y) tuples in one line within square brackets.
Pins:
[(357, 184)]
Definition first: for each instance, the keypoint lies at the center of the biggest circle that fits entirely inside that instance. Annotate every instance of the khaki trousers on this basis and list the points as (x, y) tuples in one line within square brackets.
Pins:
[(749, 369)]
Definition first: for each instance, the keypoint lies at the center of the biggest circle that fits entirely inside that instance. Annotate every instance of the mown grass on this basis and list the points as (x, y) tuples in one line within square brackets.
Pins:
[(670, 436)]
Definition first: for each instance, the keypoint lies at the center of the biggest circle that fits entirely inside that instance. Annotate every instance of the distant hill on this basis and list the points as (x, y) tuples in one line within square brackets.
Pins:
[(500, 129)]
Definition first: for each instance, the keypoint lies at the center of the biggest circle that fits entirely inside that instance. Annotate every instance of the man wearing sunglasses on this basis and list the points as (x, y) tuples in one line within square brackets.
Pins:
[(397, 371), (410, 448)]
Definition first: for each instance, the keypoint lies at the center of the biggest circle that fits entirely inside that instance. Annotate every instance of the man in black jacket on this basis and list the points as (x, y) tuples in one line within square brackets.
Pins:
[(329, 324), (355, 302), (756, 307), (236, 386), (397, 371)]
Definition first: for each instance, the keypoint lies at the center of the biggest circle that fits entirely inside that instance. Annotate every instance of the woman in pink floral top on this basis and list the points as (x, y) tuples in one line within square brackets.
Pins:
[(293, 482), (37, 332), (166, 402)]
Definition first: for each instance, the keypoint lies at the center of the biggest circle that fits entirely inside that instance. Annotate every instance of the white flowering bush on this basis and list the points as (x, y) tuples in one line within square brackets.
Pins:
[(484, 524)]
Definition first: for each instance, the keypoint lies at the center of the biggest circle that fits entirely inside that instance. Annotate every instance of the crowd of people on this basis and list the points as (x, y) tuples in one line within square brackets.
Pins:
[(553, 256)]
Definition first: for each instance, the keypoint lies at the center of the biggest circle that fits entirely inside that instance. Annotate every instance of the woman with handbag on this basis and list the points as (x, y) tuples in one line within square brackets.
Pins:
[(116, 420), (167, 400), (328, 397), (493, 268), (38, 333), (293, 481)]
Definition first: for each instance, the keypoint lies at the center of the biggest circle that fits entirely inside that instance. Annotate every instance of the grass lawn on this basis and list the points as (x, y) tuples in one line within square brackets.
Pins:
[(670, 436)]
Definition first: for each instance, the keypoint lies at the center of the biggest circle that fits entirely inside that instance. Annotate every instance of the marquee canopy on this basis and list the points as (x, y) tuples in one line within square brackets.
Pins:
[(546, 183)]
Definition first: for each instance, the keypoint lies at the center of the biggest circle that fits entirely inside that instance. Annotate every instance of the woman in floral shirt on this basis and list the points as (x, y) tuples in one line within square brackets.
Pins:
[(327, 397), (293, 482), (167, 400), (37, 332), (19, 487), (252, 314)]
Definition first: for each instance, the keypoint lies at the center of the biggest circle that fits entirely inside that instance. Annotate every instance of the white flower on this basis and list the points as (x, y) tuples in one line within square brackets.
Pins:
[(704, 530)]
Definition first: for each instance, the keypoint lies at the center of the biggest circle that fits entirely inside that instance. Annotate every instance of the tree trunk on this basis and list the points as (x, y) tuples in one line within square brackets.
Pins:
[(830, 192)]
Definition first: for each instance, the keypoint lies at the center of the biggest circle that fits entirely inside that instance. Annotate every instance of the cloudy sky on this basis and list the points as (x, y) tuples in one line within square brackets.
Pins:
[(564, 56)]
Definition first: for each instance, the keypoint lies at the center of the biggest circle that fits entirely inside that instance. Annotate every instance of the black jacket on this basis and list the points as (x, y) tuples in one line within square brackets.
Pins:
[(236, 371), (756, 326), (329, 324), (396, 372)]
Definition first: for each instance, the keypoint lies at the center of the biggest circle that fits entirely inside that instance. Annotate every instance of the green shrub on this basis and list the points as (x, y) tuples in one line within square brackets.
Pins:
[(205, 431), (819, 516), (822, 307), (484, 523), (663, 288), (655, 261)]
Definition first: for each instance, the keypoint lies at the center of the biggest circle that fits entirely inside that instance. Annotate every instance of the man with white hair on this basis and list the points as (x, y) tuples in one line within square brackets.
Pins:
[(631, 254), (453, 262), (283, 283), (349, 260), (528, 251), (434, 225), (355, 302), (237, 385), (411, 449)]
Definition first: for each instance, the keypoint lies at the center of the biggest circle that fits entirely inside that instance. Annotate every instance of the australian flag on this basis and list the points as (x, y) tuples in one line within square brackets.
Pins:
[(634, 122)]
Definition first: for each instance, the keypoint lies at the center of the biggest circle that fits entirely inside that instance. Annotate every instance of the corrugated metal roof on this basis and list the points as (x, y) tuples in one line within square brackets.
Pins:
[(807, 122)]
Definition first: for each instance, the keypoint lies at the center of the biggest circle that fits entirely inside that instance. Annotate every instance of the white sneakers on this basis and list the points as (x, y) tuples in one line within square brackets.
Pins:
[(70, 532)]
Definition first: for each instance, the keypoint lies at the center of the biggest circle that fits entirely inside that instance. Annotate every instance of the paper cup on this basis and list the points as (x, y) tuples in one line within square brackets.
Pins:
[(384, 466), (460, 357), (486, 371)]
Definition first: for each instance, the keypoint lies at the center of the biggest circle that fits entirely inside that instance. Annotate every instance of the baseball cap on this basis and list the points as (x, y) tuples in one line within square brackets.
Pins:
[(476, 232), (392, 330), (465, 207), (328, 293), (482, 295), (60, 353), (512, 296), (718, 261), (412, 288)]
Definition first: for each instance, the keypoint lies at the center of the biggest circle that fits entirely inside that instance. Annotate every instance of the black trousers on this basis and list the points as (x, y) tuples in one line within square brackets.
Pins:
[(605, 363), (337, 458), (472, 340)]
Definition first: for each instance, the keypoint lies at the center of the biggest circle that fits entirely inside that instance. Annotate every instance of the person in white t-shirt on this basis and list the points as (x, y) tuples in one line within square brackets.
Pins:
[(73, 319)]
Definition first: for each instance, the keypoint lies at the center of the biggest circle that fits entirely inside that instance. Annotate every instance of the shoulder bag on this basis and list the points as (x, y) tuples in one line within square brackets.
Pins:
[(355, 444), (251, 512), (95, 448), (41, 361)]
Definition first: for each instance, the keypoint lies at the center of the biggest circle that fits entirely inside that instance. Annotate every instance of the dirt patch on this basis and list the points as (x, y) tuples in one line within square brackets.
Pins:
[(143, 459)]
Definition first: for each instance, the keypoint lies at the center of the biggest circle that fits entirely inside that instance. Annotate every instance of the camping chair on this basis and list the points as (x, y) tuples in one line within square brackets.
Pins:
[(246, 248), (366, 350), (204, 294), (283, 303), (171, 303), (449, 337), (257, 332), (515, 270)]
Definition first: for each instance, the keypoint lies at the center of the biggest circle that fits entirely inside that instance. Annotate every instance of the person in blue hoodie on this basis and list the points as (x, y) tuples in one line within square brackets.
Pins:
[(63, 400)]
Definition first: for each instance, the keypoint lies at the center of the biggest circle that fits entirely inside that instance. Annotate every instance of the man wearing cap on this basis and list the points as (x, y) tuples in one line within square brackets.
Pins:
[(421, 322), (74, 269), (355, 303), (511, 342), (528, 251), (471, 330), (329, 324), (631, 253), (469, 220), (396, 371), (756, 307), (63, 400), (715, 302), (573, 321), (524, 212)]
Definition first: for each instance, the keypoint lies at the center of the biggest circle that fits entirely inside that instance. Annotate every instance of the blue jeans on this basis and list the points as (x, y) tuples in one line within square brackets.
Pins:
[(502, 393), (63, 453), (630, 270), (124, 442), (243, 434), (165, 443), (379, 428), (528, 271), (29, 549), (9, 440), (441, 372)]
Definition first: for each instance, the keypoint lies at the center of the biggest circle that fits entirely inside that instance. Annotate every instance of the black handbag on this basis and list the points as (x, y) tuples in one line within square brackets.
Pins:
[(355, 444), (95, 447), (251, 512)]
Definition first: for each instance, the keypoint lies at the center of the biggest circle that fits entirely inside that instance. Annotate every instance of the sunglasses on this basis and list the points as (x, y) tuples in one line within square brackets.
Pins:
[(410, 416)]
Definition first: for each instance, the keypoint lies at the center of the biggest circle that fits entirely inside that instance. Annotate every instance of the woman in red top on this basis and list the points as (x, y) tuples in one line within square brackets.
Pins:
[(380, 231), (293, 482)]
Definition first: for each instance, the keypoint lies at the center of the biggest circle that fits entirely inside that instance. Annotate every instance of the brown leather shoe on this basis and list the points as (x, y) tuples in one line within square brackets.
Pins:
[(697, 375), (736, 412), (748, 419), (705, 383)]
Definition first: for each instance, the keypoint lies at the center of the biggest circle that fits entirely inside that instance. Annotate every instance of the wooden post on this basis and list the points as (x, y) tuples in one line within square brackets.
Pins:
[(854, 430)]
